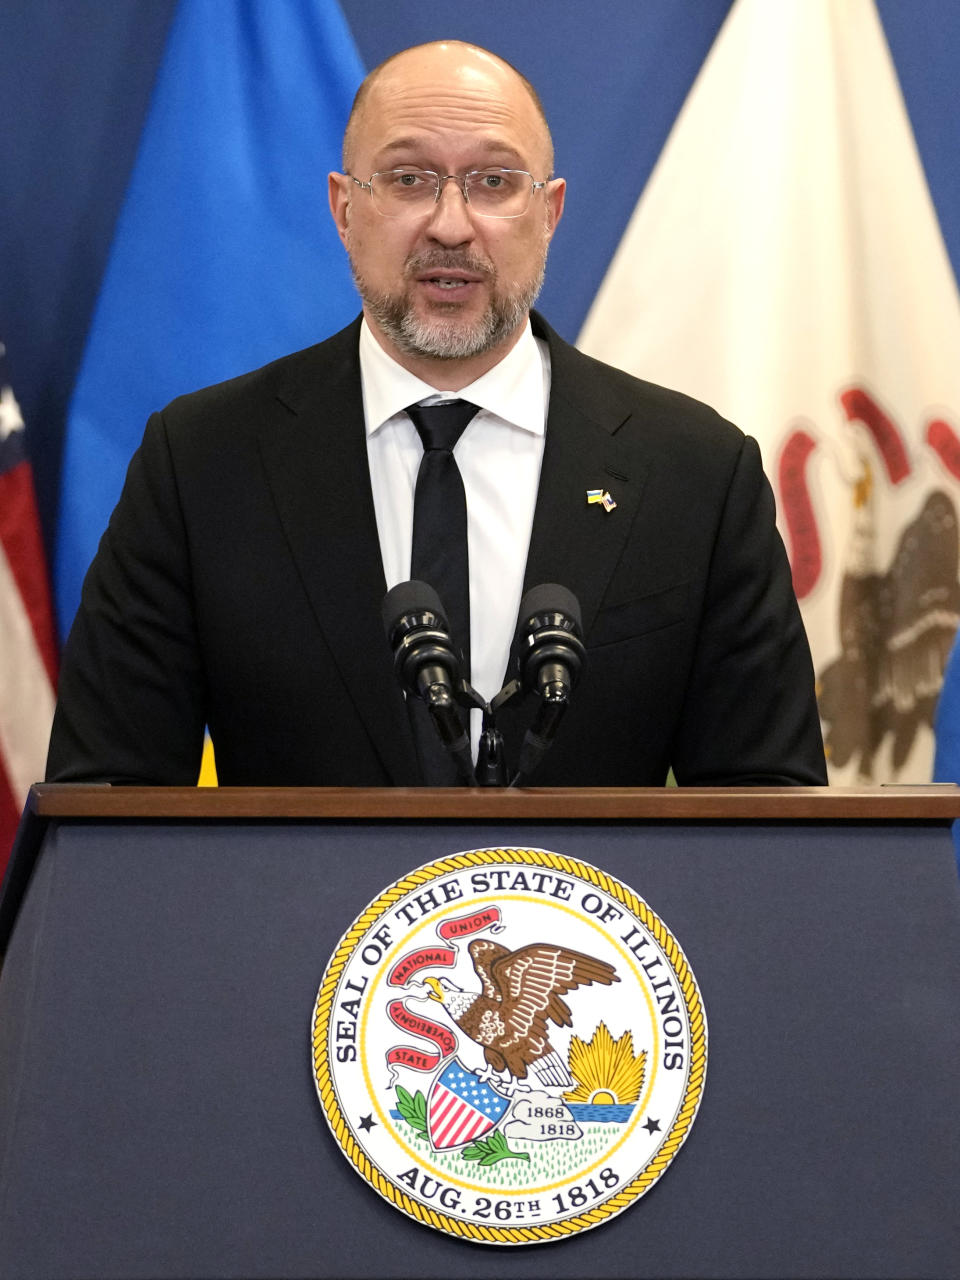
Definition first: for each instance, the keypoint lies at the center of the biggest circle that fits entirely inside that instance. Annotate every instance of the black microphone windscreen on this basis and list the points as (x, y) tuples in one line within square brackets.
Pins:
[(409, 597), (549, 597)]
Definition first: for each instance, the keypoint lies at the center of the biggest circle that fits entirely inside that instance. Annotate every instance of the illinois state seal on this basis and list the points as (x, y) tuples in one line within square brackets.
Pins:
[(509, 1045)]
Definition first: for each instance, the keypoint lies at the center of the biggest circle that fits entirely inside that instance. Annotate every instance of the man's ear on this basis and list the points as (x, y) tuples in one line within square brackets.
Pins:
[(556, 194), (339, 191)]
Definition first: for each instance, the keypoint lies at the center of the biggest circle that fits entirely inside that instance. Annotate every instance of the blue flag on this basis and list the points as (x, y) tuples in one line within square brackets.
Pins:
[(946, 762), (225, 255)]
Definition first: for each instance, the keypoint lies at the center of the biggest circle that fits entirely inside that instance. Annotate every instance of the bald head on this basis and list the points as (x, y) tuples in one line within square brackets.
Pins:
[(447, 63)]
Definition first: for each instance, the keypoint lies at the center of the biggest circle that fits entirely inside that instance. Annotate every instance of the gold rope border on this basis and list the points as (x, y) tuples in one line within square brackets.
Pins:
[(698, 1047)]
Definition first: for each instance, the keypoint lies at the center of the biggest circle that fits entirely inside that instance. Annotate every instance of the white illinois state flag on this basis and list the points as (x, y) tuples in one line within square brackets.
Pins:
[(784, 264)]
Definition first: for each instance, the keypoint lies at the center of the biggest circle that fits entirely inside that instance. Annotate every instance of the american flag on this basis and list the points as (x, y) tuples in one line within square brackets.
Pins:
[(461, 1107), (28, 656)]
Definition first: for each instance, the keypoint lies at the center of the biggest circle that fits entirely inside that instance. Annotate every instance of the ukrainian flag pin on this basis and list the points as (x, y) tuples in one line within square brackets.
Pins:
[(603, 497)]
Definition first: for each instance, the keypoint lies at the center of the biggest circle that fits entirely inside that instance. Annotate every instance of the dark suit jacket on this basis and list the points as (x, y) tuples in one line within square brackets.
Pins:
[(239, 584)]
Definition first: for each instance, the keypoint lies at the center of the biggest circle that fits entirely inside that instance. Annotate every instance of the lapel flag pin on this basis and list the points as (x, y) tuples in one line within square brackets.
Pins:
[(603, 497)]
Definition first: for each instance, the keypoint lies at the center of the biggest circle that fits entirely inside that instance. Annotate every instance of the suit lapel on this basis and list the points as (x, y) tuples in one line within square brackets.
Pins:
[(573, 541), (315, 458)]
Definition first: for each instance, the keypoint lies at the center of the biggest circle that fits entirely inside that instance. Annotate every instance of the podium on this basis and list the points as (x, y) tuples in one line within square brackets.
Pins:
[(163, 950)]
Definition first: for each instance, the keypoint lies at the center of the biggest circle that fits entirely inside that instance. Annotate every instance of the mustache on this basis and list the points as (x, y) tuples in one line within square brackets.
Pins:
[(450, 260)]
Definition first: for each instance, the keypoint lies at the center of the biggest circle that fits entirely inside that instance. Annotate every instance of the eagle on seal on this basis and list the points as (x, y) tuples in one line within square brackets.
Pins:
[(520, 991)]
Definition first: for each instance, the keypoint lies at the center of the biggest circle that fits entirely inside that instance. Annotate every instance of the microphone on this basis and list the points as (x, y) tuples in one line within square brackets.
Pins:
[(551, 655), (426, 663)]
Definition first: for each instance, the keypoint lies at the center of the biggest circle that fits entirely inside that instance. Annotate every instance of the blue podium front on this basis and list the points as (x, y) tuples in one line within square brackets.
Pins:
[(158, 1111)]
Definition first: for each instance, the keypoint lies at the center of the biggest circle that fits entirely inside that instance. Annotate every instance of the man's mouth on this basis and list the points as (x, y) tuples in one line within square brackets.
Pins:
[(447, 277)]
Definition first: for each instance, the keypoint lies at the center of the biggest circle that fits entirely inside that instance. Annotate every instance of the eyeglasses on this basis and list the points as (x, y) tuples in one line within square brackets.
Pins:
[(491, 193)]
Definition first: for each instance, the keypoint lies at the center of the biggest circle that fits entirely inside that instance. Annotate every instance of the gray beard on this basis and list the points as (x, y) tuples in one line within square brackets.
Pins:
[(446, 336)]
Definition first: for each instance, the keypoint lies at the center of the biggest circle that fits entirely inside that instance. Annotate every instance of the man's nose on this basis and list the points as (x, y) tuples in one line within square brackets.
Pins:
[(451, 221)]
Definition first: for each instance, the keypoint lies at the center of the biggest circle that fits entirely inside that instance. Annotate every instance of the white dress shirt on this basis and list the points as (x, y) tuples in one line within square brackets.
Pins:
[(499, 456)]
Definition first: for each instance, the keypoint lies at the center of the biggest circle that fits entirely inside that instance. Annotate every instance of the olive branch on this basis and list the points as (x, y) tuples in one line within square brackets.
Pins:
[(491, 1149), (413, 1108)]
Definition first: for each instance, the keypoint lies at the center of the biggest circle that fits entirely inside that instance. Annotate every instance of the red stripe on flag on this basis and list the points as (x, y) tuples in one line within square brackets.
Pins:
[(20, 535), (446, 1109), (943, 439), (860, 406), (806, 555), (9, 817), (472, 1124)]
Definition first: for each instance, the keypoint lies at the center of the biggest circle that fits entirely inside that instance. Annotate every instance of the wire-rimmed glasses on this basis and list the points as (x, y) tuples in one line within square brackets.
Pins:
[(491, 193)]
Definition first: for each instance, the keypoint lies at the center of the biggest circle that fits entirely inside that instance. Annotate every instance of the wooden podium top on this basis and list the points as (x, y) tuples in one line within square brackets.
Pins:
[(793, 804)]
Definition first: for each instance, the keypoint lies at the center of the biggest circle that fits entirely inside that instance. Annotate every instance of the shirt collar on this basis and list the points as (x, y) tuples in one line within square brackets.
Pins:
[(512, 390)]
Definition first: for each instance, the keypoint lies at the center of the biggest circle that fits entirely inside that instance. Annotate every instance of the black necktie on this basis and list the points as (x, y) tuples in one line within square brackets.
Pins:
[(439, 554)]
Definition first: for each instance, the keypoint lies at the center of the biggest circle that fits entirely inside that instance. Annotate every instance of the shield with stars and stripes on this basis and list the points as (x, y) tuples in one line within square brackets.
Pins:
[(461, 1107)]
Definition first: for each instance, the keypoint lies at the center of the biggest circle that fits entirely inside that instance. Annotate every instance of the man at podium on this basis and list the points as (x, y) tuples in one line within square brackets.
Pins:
[(447, 435)]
